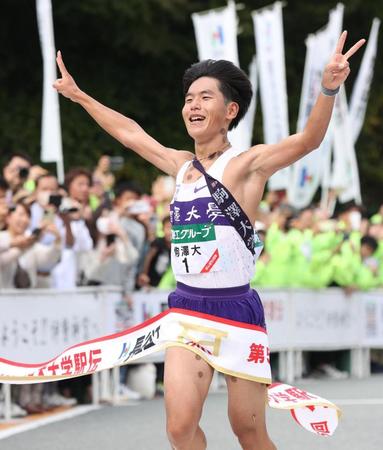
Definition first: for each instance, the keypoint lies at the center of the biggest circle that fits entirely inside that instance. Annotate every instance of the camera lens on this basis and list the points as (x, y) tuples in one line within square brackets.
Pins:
[(23, 172)]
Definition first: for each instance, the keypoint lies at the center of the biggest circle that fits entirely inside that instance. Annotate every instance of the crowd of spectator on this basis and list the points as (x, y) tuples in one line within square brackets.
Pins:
[(92, 230)]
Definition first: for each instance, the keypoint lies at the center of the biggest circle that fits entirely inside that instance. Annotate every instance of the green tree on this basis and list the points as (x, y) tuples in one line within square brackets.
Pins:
[(131, 54)]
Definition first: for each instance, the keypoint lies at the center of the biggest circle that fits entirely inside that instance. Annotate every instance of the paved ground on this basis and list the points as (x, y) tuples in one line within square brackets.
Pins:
[(141, 426)]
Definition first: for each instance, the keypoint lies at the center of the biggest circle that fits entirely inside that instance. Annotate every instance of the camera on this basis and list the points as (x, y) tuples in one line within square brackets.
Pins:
[(110, 239), (36, 232), (55, 200), (23, 173)]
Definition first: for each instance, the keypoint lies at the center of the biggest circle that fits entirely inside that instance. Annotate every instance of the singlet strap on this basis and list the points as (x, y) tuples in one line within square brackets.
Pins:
[(181, 172)]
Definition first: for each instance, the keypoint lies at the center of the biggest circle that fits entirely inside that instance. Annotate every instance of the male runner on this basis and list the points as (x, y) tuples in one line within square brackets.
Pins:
[(217, 95)]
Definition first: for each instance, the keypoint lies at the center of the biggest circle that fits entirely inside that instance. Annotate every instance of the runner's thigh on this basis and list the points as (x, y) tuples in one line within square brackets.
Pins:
[(186, 381)]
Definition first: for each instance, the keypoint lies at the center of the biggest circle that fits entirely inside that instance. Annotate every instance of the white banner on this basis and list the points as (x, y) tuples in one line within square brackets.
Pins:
[(51, 142), (35, 326), (241, 136), (345, 174), (233, 348), (268, 26), (307, 172), (216, 33), (216, 36), (361, 90)]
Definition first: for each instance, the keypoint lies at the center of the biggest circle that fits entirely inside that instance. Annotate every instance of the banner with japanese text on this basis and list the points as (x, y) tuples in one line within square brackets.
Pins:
[(233, 348), (307, 173), (269, 41)]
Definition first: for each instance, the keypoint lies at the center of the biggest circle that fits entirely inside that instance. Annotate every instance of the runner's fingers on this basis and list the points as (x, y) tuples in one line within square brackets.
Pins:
[(354, 48), (61, 64), (341, 41)]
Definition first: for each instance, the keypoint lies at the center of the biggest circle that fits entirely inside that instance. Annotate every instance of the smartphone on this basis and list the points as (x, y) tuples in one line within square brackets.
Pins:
[(36, 232), (110, 239)]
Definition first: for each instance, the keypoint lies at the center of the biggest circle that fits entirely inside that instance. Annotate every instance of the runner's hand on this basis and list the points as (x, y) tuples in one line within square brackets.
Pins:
[(66, 84), (337, 70)]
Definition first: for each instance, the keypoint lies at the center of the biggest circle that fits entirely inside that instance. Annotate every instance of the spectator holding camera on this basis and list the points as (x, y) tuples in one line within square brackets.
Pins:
[(75, 208), (15, 172), (23, 255), (46, 207)]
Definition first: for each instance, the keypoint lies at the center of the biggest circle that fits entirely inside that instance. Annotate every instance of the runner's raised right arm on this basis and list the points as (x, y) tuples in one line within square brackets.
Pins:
[(122, 128)]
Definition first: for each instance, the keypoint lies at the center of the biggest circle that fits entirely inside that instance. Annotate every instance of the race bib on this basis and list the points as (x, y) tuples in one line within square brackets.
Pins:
[(194, 249)]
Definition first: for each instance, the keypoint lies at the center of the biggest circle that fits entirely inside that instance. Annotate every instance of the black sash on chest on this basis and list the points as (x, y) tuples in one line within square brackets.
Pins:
[(230, 208)]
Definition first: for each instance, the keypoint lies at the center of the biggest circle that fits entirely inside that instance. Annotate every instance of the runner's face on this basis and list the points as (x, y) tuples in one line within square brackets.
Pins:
[(205, 111)]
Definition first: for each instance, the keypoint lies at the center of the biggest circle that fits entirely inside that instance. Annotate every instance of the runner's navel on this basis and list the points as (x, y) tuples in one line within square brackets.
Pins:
[(200, 374), (197, 357)]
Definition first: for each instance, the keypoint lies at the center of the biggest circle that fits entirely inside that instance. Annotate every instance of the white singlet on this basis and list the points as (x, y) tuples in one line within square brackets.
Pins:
[(207, 251)]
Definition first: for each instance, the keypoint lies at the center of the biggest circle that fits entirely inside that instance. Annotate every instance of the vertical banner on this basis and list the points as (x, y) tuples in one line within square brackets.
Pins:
[(345, 174), (216, 33), (241, 136), (272, 81), (51, 143), (216, 37), (361, 90), (307, 173)]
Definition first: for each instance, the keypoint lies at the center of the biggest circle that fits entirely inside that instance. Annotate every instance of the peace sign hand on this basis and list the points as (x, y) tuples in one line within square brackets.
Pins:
[(66, 84), (337, 70)]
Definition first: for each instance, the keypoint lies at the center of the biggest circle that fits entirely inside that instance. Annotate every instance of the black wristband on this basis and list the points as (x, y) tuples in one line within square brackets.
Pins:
[(329, 92)]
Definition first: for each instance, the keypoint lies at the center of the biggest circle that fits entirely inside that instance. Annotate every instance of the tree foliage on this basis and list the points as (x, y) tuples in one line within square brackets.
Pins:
[(131, 54)]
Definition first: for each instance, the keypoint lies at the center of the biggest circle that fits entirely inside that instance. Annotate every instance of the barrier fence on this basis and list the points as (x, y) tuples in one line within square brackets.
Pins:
[(37, 325)]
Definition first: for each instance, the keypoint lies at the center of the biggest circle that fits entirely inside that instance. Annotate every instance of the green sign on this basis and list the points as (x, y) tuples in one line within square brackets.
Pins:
[(198, 232)]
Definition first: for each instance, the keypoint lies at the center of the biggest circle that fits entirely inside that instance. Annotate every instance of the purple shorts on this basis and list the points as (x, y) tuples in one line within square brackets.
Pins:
[(240, 303)]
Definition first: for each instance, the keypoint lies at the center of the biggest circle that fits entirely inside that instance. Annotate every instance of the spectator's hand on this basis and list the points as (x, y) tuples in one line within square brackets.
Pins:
[(4, 209), (66, 84), (23, 242), (115, 228), (337, 70), (143, 280), (108, 251), (50, 227)]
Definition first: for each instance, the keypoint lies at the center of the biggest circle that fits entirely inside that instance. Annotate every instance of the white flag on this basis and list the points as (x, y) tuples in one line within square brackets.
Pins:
[(271, 66), (216, 33), (216, 36), (51, 143), (345, 175), (241, 136), (359, 97), (307, 173)]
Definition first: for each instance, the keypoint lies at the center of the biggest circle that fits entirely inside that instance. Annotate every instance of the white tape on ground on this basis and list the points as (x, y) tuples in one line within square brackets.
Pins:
[(77, 411)]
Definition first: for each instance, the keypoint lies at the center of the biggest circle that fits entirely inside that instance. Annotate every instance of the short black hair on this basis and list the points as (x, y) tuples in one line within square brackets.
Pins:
[(74, 173), (127, 186), (21, 155), (233, 83), (44, 175), (370, 242)]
